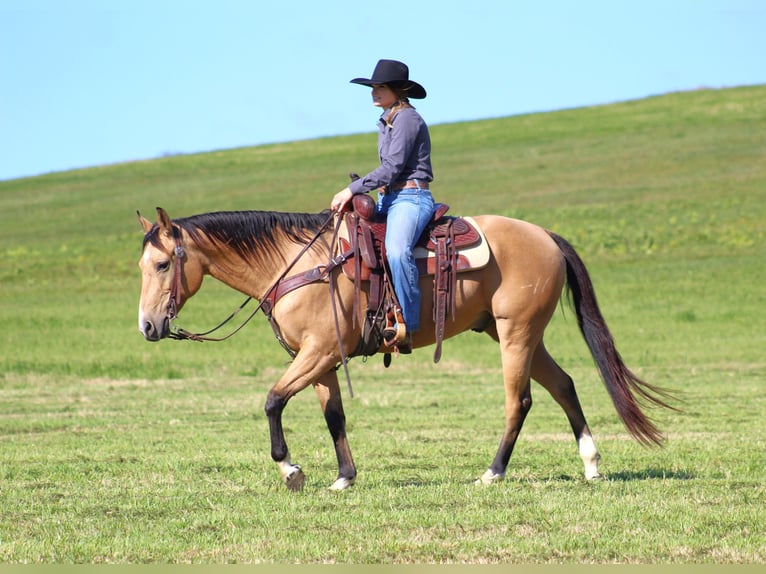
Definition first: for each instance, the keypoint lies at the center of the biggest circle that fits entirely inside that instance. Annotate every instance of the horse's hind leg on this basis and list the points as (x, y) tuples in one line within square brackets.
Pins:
[(328, 392), (561, 387), (518, 399)]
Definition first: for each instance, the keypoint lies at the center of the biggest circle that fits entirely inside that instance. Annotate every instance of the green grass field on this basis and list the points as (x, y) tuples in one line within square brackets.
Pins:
[(116, 450)]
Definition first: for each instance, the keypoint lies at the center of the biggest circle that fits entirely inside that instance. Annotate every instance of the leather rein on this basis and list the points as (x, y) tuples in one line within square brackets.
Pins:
[(280, 287)]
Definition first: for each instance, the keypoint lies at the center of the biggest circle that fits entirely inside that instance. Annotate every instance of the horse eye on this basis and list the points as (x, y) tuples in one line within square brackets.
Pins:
[(163, 266)]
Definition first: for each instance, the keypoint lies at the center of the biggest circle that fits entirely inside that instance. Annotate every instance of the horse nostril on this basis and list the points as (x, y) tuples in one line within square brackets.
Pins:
[(150, 331)]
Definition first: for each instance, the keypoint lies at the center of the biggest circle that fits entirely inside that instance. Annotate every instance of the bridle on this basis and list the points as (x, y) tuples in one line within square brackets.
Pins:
[(174, 301), (269, 298), (175, 287)]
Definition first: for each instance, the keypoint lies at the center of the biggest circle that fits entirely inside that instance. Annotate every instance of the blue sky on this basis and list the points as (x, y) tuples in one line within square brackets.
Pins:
[(93, 82)]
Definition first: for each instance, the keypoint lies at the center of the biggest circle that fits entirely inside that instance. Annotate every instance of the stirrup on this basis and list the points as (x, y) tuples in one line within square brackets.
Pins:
[(395, 330), (394, 334)]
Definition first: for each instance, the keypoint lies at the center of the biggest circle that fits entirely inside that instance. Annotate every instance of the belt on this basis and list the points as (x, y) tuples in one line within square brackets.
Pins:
[(409, 184)]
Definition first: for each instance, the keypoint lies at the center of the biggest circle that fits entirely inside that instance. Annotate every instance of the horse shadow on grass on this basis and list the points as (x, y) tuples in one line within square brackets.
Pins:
[(650, 474)]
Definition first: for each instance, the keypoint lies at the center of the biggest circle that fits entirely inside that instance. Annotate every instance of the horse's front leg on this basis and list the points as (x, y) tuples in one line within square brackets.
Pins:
[(306, 369), (291, 473), (328, 392)]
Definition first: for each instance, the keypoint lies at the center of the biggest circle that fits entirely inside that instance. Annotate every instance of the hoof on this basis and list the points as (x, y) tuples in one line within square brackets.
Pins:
[(294, 481), (597, 476), (489, 477), (342, 484)]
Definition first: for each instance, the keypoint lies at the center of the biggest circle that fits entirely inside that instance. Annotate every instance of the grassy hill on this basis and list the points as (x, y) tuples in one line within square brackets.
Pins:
[(670, 187), (113, 449)]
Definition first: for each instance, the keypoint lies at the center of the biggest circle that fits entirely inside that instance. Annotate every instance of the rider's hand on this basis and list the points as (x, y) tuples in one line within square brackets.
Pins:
[(341, 199)]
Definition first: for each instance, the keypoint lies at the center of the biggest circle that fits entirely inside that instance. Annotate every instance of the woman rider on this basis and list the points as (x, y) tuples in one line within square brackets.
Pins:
[(402, 180)]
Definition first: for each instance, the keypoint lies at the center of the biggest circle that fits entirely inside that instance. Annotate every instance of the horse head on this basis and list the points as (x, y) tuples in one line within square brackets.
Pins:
[(166, 280)]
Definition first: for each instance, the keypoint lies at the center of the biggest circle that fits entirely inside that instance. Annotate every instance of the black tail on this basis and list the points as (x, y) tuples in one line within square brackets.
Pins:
[(624, 387)]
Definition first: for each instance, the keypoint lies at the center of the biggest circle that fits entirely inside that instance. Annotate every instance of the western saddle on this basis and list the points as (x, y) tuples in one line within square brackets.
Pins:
[(364, 258)]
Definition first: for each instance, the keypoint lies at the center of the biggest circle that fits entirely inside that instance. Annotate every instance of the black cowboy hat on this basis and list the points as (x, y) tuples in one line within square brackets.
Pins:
[(395, 75)]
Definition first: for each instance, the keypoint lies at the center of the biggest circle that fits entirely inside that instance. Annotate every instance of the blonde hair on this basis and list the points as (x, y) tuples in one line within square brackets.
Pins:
[(402, 102)]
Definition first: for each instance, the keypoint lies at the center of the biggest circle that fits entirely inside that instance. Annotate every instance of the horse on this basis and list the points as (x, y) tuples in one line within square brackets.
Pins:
[(511, 299)]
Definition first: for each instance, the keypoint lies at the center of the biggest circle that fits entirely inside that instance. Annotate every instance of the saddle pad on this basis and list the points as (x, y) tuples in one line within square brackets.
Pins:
[(474, 256)]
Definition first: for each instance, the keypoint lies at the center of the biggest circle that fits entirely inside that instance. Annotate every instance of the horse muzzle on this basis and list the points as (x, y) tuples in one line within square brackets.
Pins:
[(154, 330)]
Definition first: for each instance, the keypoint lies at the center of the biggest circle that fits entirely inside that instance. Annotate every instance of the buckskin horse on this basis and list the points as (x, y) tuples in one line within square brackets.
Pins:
[(511, 298)]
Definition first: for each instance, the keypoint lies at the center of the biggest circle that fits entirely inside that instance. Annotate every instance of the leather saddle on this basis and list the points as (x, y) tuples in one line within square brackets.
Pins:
[(462, 233), (448, 245)]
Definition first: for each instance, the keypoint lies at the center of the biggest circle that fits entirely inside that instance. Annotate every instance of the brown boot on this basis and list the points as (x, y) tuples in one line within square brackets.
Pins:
[(405, 346)]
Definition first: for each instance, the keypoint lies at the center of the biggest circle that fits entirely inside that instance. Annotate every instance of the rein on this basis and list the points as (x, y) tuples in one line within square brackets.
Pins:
[(268, 299), (175, 300), (175, 291)]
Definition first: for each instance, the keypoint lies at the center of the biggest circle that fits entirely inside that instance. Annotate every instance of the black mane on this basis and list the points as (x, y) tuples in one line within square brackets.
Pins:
[(250, 233)]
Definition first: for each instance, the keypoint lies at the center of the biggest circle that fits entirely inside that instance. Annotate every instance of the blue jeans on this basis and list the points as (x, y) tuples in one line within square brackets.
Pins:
[(407, 212)]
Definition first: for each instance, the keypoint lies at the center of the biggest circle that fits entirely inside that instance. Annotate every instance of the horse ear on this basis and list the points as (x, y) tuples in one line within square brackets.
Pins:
[(146, 225), (163, 219)]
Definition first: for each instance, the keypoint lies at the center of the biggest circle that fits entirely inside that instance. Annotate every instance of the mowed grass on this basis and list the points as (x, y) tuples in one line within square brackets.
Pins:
[(116, 450)]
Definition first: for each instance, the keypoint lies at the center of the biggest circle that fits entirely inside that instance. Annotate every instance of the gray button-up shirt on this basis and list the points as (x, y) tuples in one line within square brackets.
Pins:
[(404, 148)]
